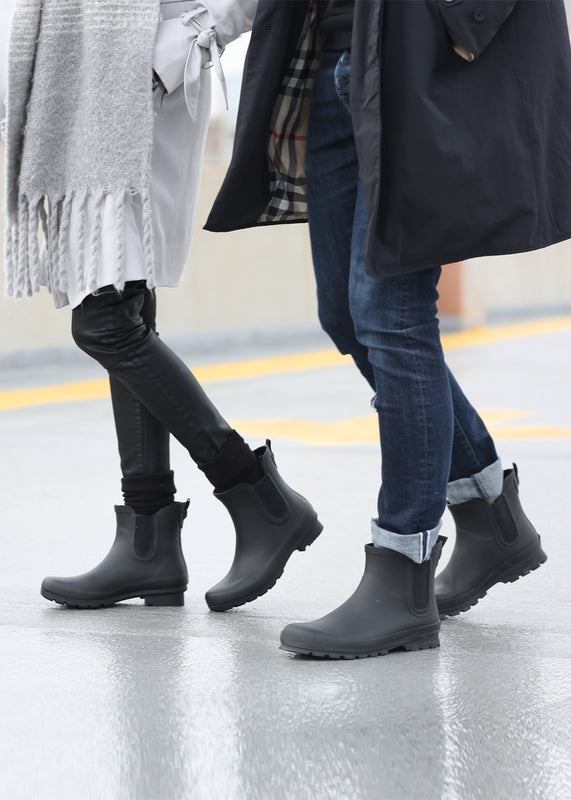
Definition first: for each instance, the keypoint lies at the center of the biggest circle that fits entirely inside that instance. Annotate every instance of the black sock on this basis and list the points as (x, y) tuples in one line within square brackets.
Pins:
[(147, 494), (235, 463)]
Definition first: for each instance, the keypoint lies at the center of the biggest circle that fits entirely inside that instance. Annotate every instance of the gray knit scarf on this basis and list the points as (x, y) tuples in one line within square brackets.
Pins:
[(79, 124)]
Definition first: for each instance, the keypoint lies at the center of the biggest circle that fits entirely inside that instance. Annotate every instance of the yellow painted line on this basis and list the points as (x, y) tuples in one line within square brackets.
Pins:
[(530, 432), (277, 365), (212, 373), (46, 395), (500, 416), (360, 430), (477, 337), (365, 430)]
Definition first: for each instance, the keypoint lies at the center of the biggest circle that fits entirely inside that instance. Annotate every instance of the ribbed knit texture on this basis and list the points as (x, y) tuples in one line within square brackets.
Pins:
[(147, 494), (79, 123)]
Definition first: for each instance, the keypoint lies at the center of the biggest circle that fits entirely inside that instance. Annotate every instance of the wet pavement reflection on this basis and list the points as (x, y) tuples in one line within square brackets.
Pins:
[(151, 704)]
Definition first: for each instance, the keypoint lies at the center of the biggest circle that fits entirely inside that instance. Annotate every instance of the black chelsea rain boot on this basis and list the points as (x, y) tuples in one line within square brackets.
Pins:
[(271, 521), (393, 608), (495, 543), (145, 560)]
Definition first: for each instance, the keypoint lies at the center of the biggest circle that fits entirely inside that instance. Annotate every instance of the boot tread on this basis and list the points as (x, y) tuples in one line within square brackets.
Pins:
[(426, 643), (509, 574), (107, 602), (239, 600)]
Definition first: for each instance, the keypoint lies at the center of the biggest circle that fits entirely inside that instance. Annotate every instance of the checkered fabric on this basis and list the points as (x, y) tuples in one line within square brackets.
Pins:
[(288, 130)]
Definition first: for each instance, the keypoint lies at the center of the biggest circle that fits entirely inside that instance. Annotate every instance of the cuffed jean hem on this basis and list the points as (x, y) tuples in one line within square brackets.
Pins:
[(487, 484), (416, 546)]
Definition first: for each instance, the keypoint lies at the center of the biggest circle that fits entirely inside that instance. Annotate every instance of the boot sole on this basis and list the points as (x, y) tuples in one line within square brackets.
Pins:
[(427, 640), (302, 543), (510, 573), (154, 597)]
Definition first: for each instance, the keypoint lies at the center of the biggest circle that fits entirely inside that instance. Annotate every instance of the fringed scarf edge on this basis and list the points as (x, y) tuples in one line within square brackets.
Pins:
[(46, 220)]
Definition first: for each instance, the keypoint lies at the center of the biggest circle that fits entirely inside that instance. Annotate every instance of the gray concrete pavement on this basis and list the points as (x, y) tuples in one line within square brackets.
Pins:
[(136, 703)]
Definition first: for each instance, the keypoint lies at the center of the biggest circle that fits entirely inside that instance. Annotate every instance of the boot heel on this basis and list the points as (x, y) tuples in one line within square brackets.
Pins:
[(528, 564), (166, 599), (311, 537)]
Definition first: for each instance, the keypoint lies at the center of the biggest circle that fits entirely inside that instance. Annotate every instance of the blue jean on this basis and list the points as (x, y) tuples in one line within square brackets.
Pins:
[(433, 442)]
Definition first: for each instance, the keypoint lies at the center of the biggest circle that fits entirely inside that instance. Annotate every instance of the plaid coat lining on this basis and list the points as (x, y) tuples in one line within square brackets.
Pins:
[(288, 131)]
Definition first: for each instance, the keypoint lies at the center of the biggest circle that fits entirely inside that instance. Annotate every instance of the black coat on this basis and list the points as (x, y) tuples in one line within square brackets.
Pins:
[(459, 159)]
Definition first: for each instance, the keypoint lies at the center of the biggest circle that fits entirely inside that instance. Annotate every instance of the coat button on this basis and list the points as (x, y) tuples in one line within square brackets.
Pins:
[(480, 14)]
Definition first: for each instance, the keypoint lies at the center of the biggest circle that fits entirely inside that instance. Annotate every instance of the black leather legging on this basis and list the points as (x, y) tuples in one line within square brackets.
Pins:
[(153, 392)]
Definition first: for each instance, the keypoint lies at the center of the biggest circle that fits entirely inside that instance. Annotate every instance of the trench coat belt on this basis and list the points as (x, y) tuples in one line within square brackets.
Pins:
[(204, 53)]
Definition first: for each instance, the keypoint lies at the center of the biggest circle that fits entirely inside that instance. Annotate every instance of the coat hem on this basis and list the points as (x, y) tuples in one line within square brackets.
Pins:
[(452, 259), (215, 228)]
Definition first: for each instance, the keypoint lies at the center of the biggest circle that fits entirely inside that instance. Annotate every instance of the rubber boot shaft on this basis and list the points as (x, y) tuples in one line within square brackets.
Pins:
[(392, 608), (495, 543), (145, 560), (271, 520)]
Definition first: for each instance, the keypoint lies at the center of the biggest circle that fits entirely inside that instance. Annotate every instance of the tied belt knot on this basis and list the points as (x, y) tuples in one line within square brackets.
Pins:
[(204, 53)]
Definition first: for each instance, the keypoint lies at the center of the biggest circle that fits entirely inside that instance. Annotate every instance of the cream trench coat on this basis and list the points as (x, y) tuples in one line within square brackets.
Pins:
[(190, 35)]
